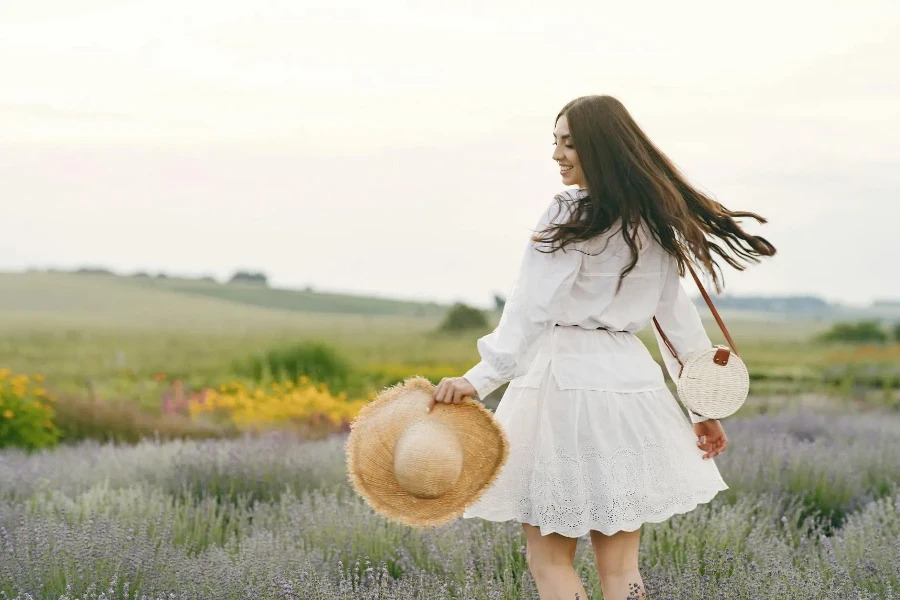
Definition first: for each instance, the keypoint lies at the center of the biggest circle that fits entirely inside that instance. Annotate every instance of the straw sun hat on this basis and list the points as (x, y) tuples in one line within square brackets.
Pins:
[(421, 468)]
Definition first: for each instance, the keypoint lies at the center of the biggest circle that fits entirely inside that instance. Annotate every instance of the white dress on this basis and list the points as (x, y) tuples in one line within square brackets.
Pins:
[(597, 440)]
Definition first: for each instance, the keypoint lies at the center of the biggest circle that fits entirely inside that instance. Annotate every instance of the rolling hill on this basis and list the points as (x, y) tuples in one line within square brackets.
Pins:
[(55, 299), (59, 297), (292, 300)]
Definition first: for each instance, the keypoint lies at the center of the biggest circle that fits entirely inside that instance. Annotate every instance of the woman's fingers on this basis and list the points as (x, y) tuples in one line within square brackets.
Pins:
[(441, 391), (714, 448), (451, 391), (457, 395), (446, 392)]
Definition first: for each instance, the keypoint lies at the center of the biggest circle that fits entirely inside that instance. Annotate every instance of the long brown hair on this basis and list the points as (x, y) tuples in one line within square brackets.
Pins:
[(629, 179)]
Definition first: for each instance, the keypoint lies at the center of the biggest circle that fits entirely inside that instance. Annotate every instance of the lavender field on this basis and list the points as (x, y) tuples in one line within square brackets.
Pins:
[(813, 512)]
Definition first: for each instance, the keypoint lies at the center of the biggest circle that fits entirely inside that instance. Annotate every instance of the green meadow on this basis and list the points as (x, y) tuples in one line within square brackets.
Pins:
[(108, 337)]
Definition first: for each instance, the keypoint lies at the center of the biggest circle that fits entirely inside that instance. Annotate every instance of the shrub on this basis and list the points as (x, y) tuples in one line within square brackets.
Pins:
[(897, 331), (461, 317), (26, 414), (499, 303), (316, 360), (861, 332), (249, 277)]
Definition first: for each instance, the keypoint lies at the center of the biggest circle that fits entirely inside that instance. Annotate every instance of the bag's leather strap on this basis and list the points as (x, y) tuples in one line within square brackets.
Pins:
[(714, 312)]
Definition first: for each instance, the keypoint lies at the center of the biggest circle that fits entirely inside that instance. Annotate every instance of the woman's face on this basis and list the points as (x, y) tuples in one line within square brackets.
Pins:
[(564, 154)]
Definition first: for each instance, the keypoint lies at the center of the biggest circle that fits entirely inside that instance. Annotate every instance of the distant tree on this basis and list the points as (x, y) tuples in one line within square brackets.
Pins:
[(897, 331), (161, 275), (461, 317), (249, 277), (861, 332), (140, 275), (94, 271), (499, 302), (207, 279)]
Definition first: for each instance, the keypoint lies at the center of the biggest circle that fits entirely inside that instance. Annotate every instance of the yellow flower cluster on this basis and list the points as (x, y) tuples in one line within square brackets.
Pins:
[(26, 417), (18, 387), (303, 402)]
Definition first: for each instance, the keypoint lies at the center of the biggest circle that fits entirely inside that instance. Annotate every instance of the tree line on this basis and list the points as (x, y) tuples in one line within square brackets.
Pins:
[(239, 276)]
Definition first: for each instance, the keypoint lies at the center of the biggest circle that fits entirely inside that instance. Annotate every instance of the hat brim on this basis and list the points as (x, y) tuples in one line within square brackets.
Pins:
[(370, 452)]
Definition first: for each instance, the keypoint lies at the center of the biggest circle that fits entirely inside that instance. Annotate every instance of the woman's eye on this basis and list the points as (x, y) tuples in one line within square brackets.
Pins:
[(569, 146)]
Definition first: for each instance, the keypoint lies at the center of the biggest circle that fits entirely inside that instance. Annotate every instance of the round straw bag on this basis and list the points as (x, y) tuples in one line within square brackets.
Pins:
[(713, 383)]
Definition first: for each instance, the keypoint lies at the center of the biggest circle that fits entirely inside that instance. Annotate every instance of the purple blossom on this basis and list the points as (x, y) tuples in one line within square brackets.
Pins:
[(813, 512)]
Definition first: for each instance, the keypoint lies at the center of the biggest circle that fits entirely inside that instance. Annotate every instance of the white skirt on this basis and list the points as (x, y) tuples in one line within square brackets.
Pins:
[(583, 460)]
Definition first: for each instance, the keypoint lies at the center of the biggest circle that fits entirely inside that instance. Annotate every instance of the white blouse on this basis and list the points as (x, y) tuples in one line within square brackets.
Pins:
[(576, 288)]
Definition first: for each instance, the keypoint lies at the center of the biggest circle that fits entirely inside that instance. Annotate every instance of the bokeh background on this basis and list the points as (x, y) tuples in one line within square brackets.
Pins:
[(227, 225)]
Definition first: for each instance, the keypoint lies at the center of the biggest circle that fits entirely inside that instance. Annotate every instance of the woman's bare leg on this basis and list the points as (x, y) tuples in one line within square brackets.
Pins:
[(617, 564), (550, 559)]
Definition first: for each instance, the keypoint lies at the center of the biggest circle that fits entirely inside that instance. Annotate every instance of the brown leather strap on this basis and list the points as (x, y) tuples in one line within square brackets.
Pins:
[(669, 345), (714, 312)]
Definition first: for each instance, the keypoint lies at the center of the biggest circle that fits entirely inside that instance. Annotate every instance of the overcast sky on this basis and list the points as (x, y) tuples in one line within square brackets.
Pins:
[(403, 149)]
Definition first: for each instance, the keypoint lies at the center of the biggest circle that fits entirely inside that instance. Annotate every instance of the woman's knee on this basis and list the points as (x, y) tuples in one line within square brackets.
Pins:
[(542, 558), (616, 555), (546, 553)]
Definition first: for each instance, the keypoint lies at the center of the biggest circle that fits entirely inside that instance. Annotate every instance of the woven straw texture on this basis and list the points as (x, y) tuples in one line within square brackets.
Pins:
[(712, 390), (375, 431)]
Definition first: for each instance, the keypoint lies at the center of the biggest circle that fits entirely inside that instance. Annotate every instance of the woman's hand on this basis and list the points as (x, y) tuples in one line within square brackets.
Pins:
[(451, 390), (712, 438)]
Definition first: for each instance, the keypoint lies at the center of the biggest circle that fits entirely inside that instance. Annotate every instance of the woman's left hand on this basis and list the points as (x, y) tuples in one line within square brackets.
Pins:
[(451, 390)]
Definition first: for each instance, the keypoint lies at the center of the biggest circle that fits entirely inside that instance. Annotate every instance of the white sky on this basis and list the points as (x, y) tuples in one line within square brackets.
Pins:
[(403, 148)]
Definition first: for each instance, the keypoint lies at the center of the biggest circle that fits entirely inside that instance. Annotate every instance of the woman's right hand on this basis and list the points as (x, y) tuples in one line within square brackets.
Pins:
[(711, 437)]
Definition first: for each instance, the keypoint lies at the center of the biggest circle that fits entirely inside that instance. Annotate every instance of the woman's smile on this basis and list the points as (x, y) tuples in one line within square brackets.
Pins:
[(565, 155)]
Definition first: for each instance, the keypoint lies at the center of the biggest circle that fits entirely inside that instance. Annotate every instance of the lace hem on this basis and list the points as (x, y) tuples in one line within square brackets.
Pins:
[(605, 527), (573, 492)]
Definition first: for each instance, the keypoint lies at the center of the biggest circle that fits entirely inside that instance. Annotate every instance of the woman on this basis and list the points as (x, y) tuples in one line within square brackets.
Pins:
[(598, 444)]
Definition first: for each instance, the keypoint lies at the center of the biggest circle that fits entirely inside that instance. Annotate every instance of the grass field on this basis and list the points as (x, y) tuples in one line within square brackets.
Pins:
[(109, 337), (813, 510), (78, 329)]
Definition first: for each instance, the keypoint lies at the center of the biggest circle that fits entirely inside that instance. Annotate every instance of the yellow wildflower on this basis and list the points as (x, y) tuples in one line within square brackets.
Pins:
[(279, 403), (7, 414)]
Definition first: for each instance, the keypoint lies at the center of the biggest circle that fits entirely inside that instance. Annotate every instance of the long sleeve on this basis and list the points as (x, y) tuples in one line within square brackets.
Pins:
[(544, 281), (680, 319)]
